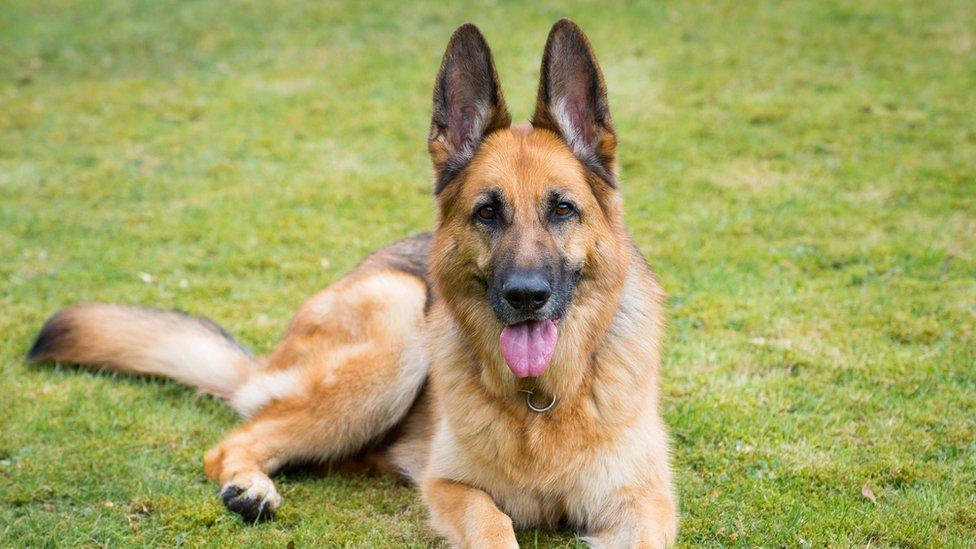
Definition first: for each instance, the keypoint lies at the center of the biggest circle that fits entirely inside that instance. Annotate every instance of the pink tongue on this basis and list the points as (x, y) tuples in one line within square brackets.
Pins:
[(527, 346)]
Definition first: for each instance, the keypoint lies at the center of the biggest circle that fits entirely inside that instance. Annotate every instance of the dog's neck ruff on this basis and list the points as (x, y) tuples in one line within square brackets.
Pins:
[(532, 406)]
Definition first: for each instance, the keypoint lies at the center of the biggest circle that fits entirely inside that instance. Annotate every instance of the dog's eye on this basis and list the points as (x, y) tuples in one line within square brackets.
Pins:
[(563, 210), (486, 213)]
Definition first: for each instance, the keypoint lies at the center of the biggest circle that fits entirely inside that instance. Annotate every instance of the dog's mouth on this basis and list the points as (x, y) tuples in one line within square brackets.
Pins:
[(527, 346)]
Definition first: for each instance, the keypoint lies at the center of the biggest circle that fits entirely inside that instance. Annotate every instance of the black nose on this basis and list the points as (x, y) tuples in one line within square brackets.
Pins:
[(526, 291)]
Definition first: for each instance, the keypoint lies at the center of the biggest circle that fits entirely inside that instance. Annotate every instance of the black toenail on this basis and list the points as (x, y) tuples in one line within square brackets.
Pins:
[(230, 492), (251, 510)]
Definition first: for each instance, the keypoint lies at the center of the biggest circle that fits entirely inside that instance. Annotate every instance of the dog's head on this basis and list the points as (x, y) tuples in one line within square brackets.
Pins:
[(528, 215)]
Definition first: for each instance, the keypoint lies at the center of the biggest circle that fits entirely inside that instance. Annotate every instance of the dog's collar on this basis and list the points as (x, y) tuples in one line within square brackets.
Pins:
[(537, 409)]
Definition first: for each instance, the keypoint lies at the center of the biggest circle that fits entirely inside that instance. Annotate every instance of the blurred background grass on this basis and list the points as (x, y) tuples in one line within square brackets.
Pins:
[(801, 175)]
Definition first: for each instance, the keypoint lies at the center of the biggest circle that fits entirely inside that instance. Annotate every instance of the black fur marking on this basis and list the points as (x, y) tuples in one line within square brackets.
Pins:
[(410, 255), (252, 510), (597, 164), (207, 324), (450, 171), (230, 492), (54, 334)]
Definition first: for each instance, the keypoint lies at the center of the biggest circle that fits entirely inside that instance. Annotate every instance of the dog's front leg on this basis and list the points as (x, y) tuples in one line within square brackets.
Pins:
[(648, 520), (466, 516)]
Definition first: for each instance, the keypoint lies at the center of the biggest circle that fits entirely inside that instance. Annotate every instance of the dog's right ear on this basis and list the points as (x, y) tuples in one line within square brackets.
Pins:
[(468, 104)]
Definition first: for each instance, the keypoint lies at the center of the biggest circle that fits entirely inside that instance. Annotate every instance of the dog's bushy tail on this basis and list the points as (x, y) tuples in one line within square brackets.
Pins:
[(189, 349)]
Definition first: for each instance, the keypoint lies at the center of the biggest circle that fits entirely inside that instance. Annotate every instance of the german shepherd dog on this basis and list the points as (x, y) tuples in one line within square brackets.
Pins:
[(506, 364)]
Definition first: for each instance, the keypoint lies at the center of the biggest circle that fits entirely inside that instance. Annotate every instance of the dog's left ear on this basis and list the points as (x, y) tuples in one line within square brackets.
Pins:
[(468, 104), (572, 100)]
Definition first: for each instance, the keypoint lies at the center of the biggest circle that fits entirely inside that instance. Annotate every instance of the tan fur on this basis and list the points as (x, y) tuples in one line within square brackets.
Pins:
[(599, 459), (347, 345), (397, 366), (172, 344)]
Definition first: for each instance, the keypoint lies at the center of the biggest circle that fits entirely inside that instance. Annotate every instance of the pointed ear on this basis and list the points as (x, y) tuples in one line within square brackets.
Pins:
[(572, 100), (468, 104)]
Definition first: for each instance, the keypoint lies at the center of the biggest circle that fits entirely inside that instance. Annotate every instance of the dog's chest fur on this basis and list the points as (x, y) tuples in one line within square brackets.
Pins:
[(565, 464)]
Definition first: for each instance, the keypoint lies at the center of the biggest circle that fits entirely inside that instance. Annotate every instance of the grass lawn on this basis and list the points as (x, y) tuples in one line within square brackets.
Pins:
[(802, 176)]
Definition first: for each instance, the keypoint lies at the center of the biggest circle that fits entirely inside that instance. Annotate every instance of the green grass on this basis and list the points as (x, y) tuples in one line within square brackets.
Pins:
[(801, 175)]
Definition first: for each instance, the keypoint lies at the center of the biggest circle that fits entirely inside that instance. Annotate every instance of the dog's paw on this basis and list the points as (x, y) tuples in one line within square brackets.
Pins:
[(254, 499)]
